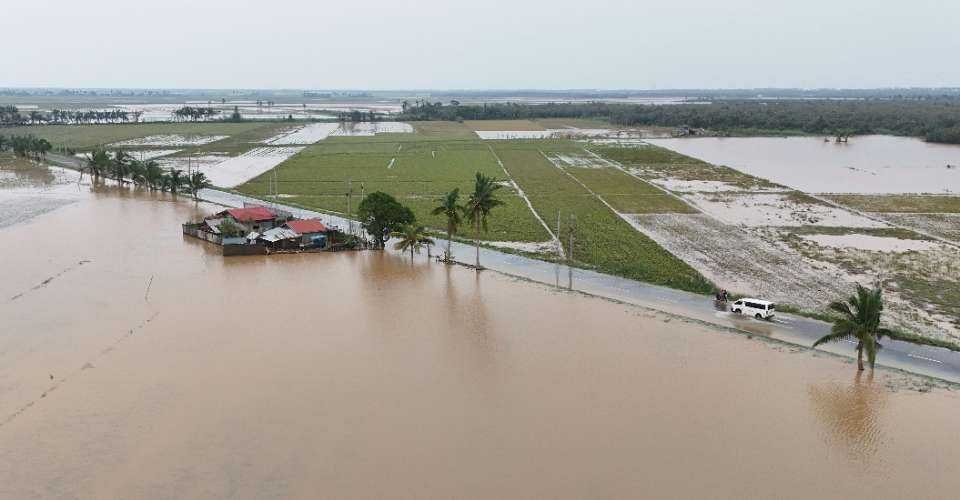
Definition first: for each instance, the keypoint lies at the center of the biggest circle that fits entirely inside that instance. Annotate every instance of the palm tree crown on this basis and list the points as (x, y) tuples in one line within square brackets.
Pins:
[(859, 319), (450, 209), (413, 238), (482, 200)]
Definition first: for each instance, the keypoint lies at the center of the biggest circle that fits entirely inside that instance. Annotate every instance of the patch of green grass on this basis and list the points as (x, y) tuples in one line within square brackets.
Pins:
[(626, 193), (885, 232), (9, 161), (904, 203), (443, 130), (86, 137), (503, 125), (603, 241), (418, 173)]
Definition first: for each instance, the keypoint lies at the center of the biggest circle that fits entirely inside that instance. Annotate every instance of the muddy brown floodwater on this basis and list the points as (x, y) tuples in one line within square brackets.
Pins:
[(135, 363)]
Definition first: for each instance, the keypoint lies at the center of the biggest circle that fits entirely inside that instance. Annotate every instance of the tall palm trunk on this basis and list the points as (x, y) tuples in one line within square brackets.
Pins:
[(449, 238), (860, 356)]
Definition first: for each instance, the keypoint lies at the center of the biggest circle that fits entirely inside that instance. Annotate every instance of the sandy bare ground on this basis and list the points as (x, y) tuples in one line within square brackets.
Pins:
[(774, 209), (946, 226), (236, 170), (744, 261), (303, 134), (174, 140)]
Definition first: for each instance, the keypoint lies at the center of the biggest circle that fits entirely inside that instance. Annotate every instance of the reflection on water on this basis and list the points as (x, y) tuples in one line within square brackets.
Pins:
[(867, 164), (363, 374), (851, 413)]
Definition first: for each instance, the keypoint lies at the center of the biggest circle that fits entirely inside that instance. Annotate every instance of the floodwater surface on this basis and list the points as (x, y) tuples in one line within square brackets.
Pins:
[(137, 363), (866, 164)]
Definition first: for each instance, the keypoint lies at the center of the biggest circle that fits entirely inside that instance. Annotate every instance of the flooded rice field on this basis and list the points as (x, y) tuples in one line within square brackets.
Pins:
[(135, 362), (867, 164)]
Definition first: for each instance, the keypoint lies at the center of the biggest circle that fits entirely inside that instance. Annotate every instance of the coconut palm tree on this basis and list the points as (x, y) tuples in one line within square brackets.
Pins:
[(97, 162), (153, 175), (413, 238), (450, 209), (196, 182), (482, 200), (859, 319), (120, 167), (175, 180)]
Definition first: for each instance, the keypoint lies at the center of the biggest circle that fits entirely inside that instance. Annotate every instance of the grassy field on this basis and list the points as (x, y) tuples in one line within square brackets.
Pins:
[(419, 174), (900, 203), (503, 125), (9, 161), (86, 137), (626, 193), (603, 240)]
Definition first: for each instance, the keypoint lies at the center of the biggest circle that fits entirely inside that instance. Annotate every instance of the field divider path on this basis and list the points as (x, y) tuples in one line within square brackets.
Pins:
[(883, 221), (625, 217), (553, 237), (620, 167)]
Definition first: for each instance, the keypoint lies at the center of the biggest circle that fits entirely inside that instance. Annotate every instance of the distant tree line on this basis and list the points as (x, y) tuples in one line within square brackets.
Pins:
[(26, 146), (936, 120), (193, 114), (10, 116)]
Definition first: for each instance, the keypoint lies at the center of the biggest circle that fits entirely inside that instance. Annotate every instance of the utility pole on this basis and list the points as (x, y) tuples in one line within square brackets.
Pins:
[(349, 205), (559, 242), (573, 229)]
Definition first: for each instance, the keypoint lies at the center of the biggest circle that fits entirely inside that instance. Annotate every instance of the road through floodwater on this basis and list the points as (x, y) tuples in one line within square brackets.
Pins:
[(138, 363)]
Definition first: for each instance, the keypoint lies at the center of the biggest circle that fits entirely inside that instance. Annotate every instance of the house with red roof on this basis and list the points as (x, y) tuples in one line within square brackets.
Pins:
[(255, 218), (313, 232)]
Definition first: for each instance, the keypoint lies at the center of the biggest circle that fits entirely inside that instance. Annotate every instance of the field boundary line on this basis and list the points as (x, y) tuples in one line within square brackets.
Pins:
[(882, 221), (623, 216), (553, 237), (620, 167)]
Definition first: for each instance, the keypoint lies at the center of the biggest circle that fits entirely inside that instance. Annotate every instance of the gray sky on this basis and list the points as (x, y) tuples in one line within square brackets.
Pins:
[(555, 44)]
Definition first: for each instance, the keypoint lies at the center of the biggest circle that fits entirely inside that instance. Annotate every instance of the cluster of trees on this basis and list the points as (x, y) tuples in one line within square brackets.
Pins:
[(10, 116), (194, 114), (123, 168), (26, 145), (382, 215), (936, 120), (358, 116), (90, 116)]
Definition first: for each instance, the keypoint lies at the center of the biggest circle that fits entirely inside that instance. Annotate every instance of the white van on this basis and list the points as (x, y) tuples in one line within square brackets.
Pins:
[(760, 309)]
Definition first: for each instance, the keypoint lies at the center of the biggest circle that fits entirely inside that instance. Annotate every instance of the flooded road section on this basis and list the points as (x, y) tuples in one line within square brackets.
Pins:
[(867, 164), (136, 363)]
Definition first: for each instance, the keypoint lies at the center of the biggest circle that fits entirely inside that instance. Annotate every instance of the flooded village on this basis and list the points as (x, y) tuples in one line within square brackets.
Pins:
[(454, 254)]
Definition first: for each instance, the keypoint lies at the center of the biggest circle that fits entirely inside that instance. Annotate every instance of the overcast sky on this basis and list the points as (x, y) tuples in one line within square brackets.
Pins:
[(501, 44)]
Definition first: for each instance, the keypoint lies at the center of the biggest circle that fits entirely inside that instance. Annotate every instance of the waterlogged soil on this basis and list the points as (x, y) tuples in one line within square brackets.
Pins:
[(138, 363), (867, 164)]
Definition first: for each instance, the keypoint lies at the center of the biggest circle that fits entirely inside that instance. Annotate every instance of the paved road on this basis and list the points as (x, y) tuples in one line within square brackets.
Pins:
[(931, 361)]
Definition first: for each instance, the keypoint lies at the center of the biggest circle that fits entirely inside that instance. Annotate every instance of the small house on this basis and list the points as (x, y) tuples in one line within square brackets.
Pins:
[(280, 238), (257, 219), (313, 232)]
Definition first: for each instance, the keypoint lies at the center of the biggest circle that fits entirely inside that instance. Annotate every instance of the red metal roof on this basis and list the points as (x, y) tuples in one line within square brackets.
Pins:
[(255, 214), (307, 226)]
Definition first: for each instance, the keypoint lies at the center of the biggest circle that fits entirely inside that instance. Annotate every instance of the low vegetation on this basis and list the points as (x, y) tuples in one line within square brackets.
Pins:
[(903, 203), (935, 119)]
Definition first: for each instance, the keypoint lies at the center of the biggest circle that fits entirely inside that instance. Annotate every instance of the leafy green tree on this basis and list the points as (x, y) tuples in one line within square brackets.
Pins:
[(859, 319), (482, 200), (175, 180), (413, 238), (98, 162), (451, 209), (153, 175), (381, 213)]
